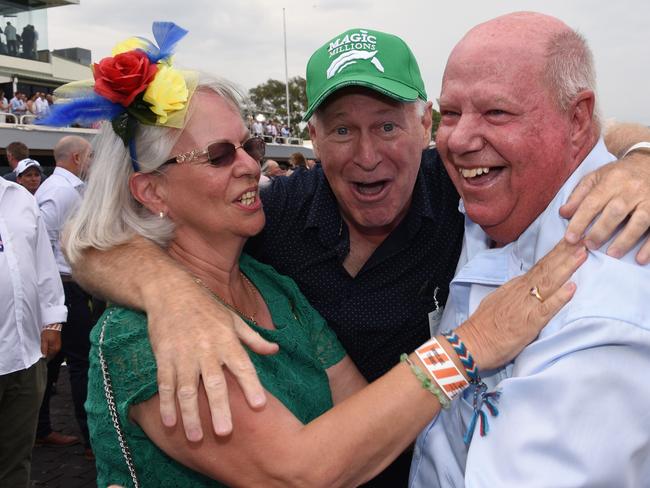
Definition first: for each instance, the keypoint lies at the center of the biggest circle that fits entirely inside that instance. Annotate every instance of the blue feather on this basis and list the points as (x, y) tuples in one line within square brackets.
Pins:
[(150, 49), (83, 111), (167, 35)]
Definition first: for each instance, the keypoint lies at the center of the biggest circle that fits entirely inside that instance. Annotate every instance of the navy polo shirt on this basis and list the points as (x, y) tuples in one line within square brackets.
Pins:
[(383, 310)]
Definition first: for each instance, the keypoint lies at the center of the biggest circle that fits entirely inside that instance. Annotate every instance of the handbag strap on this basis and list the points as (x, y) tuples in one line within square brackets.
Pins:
[(110, 400)]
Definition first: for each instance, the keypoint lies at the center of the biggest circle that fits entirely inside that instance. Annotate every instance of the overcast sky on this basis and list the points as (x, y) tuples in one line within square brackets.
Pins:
[(242, 39)]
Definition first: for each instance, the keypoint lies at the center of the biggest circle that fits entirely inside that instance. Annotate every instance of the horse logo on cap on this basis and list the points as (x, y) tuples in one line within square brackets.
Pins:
[(350, 58)]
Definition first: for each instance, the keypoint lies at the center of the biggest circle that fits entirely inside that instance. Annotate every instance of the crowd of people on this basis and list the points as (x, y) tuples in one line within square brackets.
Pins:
[(271, 130), (374, 311), (38, 104), (24, 45)]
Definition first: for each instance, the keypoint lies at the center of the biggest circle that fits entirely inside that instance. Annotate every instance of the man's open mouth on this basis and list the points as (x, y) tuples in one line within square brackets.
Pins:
[(481, 175), (370, 189)]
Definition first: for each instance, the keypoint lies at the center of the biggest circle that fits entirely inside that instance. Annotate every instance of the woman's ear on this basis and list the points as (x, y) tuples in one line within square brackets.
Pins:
[(148, 189)]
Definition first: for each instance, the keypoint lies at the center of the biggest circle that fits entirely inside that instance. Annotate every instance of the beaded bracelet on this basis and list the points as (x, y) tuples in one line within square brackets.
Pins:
[(426, 382), (481, 396)]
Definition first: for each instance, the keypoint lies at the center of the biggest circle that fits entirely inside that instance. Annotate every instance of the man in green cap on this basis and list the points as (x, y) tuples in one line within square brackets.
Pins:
[(371, 235)]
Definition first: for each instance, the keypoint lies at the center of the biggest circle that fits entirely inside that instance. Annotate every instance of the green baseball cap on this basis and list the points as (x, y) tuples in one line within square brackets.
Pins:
[(363, 57)]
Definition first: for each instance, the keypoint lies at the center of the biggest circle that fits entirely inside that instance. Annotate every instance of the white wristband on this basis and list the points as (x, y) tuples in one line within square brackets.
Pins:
[(439, 365), (639, 145)]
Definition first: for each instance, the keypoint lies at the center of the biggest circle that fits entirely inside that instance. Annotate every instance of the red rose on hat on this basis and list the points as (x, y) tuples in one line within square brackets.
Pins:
[(122, 77)]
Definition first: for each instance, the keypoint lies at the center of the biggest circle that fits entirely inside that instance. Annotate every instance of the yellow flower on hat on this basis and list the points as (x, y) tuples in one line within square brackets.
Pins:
[(167, 92), (129, 45)]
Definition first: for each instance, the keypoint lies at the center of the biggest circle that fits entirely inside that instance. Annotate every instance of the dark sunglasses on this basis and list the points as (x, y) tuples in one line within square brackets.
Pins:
[(222, 153)]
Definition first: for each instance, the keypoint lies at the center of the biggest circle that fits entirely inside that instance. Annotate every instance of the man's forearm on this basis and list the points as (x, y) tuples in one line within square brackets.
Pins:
[(619, 137), (130, 274)]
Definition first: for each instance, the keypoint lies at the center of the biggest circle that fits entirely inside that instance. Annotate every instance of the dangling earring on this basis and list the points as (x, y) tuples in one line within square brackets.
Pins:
[(161, 214)]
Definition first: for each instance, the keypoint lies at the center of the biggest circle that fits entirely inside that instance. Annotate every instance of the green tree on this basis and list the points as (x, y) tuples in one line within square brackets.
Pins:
[(436, 122), (270, 99)]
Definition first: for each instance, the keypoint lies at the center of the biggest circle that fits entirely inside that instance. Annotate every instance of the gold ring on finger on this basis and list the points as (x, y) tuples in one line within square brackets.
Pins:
[(534, 291)]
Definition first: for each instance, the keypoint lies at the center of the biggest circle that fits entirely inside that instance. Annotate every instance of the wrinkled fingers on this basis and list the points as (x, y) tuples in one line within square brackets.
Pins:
[(216, 391), (554, 269), (188, 403)]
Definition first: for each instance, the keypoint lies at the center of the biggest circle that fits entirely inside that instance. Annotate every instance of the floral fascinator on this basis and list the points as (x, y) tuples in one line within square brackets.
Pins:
[(137, 84)]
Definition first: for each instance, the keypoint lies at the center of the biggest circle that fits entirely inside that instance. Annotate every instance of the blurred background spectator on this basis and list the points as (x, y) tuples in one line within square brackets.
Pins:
[(29, 174), (16, 151), (297, 160), (272, 169)]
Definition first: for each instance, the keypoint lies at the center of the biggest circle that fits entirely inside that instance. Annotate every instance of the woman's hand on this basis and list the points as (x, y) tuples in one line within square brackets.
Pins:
[(510, 318)]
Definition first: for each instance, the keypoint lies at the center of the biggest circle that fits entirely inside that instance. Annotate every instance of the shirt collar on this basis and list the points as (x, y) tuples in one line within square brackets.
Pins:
[(540, 238), (70, 177)]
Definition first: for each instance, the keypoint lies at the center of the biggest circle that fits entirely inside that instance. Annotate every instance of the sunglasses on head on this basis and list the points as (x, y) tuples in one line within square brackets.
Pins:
[(222, 153)]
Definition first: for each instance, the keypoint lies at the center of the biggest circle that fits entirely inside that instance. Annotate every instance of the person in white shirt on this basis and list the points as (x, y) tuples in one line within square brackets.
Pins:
[(57, 197), (258, 128), (12, 41), (41, 107), (4, 104), (519, 129), (31, 311)]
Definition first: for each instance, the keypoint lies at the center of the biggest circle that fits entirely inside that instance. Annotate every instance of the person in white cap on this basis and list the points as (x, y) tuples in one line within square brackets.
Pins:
[(29, 174)]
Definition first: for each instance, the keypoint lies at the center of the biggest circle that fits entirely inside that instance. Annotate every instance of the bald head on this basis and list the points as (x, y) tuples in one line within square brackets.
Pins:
[(519, 32), (523, 26), (73, 153), (557, 54)]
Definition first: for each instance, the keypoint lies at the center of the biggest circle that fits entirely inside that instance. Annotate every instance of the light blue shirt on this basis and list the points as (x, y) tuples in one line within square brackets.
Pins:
[(575, 404)]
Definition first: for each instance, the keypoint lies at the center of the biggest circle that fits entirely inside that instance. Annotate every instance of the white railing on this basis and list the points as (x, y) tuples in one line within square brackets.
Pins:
[(8, 118), (295, 141), (27, 118)]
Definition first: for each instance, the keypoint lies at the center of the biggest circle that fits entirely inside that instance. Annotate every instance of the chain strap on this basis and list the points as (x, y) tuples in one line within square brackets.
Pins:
[(110, 400)]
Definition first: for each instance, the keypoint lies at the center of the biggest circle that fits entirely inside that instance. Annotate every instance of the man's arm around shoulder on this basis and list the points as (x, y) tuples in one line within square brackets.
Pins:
[(191, 335)]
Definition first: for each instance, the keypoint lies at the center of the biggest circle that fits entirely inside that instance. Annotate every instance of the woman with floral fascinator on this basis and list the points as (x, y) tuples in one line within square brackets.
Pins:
[(175, 163)]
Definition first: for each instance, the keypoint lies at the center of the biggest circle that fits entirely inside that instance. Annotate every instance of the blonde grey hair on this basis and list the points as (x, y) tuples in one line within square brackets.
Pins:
[(570, 68), (109, 215)]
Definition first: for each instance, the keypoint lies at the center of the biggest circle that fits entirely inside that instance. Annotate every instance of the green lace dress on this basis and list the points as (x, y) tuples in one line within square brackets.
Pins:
[(295, 376)]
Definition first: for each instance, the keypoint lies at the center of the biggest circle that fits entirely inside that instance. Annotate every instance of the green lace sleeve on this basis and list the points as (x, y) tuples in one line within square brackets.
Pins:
[(132, 366), (329, 350), (132, 370)]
